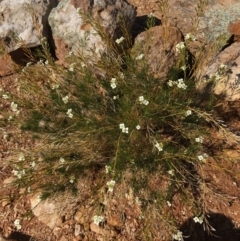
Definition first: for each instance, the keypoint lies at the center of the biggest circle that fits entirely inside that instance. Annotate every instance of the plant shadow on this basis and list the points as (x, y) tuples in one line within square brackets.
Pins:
[(220, 228), (140, 25)]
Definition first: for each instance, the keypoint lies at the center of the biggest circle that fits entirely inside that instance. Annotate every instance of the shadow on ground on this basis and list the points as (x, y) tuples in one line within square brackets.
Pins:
[(223, 226)]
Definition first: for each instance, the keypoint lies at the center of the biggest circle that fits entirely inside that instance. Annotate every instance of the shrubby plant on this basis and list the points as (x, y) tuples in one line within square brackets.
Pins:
[(112, 114)]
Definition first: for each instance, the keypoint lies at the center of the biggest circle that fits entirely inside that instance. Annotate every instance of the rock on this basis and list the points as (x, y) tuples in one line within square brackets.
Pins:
[(77, 229), (6, 65), (96, 229), (46, 211), (213, 21), (234, 28), (158, 45), (17, 25), (72, 33), (227, 84)]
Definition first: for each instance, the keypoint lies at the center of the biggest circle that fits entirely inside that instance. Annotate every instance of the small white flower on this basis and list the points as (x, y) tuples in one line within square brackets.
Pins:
[(188, 112), (145, 102), (151, 15), (72, 179), (180, 46), (125, 130), (115, 97), (55, 86), (46, 62), (4, 96), (122, 125), (113, 83), (119, 40), (190, 36), (69, 113), (21, 157), (17, 224), (43, 39), (107, 169), (198, 219), (71, 67), (169, 204), (171, 83), (139, 57), (184, 67), (180, 84), (29, 189), (61, 160), (14, 106), (65, 99), (138, 127), (33, 164), (171, 172), (223, 67), (98, 219), (159, 146), (70, 53), (178, 236), (121, 75), (111, 185), (216, 76), (199, 139)]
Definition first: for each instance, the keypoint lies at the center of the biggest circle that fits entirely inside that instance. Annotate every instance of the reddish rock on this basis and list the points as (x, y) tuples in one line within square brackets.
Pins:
[(159, 47), (6, 65), (234, 28)]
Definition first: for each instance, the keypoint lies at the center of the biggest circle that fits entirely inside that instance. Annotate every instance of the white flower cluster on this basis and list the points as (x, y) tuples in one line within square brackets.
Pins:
[(171, 172), (199, 139), (202, 157), (17, 224), (72, 179), (19, 173), (180, 46), (178, 236), (107, 169), (139, 57), (65, 99), (14, 107), (111, 185), (123, 128), (69, 113), (119, 40), (21, 157), (113, 83), (190, 37), (61, 160), (151, 15), (98, 219), (179, 83), (71, 67), (138, 127), (198, 219), (159, 146), (143, 101), (188, 112)]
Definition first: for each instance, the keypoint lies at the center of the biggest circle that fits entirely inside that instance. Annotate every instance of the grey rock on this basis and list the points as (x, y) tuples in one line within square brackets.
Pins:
[(72, 33), (17, 26)]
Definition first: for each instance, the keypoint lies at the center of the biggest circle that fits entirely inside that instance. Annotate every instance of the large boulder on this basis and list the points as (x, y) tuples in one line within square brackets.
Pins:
[(223, 74), (71, 32), (158, 44), (24, 21)]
